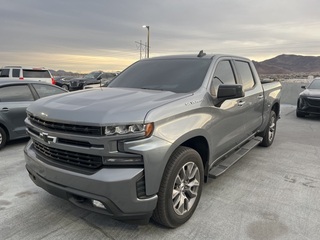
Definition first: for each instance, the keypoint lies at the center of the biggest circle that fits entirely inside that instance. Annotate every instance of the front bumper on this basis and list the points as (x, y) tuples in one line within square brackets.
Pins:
[(115, 188), (73, 86), (308, 105)]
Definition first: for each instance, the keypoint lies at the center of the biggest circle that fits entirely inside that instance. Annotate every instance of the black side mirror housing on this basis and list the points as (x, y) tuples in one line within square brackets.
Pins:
[(226, 91)]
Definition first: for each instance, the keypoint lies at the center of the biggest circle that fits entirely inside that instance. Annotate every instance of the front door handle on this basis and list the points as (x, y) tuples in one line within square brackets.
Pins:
[(5, 109), (241, 103)]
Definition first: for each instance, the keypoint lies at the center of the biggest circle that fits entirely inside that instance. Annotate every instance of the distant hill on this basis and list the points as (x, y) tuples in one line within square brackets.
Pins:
[(289, 64), (285, 64), (63, 73)]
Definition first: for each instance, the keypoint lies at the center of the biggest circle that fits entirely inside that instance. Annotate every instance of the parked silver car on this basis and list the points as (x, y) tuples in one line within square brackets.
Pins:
[(15, 97)]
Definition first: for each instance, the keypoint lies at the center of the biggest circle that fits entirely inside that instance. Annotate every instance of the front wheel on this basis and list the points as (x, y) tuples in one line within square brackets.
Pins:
[(270, 131), (180, 188)]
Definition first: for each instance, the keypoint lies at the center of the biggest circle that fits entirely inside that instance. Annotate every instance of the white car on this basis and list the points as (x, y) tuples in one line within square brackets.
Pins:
[(21, 73)]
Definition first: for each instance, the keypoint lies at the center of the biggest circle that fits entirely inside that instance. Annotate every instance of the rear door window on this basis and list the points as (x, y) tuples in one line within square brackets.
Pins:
[(36, 73), (47, 90), (244, 69), (17, 93)]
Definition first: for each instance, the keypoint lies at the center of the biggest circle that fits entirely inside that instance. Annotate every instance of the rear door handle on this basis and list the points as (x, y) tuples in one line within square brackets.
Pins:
[(260, 97)]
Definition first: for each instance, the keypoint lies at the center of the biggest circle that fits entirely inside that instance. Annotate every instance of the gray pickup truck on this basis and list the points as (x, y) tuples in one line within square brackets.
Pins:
[(144, 146)]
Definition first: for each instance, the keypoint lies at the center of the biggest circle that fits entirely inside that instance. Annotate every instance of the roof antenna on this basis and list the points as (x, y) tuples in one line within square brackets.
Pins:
[(201, 54)]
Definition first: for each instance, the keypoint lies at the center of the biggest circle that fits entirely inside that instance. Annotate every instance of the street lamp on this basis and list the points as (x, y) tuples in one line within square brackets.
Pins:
[(148, 39)]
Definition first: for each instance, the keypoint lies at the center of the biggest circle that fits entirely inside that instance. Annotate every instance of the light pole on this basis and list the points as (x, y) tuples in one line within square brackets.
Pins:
[(148, 39)]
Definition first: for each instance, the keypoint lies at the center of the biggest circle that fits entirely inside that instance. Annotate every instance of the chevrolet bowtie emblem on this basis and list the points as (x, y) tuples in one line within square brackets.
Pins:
[(48, 139)]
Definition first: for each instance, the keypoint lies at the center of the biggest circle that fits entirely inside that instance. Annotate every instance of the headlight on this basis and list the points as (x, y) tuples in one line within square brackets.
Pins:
[(147, 129), (302, 102)]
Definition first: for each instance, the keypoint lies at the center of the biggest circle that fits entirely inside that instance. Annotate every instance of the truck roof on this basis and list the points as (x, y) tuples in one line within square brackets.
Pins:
[(201, 54)]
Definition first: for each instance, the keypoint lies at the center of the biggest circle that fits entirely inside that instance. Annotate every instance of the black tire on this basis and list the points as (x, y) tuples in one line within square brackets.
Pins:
[(298, 113), (181, 183), (3, 137), (269, 133), (64, 86)]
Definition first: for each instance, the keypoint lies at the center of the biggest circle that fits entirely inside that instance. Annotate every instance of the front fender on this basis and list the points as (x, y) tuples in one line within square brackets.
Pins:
[(156, 153)]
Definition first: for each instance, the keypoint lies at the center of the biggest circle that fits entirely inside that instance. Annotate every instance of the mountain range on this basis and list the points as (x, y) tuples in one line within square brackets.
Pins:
[(289, 64), (284, 64)]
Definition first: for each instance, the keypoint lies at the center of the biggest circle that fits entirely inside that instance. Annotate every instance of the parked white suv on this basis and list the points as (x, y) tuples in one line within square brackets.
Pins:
[(18, 72)]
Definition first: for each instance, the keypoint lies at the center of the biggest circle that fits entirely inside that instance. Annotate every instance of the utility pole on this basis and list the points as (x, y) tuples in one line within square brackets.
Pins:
[(148, 39), (141, 47)]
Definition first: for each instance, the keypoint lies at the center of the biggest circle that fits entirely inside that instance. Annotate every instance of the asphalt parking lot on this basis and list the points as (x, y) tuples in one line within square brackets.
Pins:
[(271, 193)]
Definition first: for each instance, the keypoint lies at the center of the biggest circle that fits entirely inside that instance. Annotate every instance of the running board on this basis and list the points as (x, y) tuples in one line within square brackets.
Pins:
[(233, 158)]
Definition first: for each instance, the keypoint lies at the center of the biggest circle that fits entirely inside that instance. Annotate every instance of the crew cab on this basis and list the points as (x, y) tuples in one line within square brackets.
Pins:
[(145, 145)]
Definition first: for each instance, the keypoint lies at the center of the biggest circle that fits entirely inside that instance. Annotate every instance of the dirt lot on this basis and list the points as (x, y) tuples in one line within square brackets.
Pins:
[(271, 193)]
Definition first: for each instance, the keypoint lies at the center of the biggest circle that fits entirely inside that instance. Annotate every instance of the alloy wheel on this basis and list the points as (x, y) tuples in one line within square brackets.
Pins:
[(272, 128), (185, 188)]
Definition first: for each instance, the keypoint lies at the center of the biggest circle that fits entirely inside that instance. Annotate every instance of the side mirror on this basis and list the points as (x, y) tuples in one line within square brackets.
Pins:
[(99, 78), (230, 91)]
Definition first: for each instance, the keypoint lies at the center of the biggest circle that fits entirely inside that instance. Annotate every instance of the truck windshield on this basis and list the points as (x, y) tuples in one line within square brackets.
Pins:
[(92, 75), (175, 75), (315, 84)]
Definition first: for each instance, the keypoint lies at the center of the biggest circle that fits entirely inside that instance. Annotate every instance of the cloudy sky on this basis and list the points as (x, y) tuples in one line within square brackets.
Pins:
[(82, 36)]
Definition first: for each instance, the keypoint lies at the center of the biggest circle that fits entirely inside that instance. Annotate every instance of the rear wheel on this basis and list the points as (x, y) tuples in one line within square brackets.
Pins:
[(64, 86), (3, 137), (270, 131), (180, 188)]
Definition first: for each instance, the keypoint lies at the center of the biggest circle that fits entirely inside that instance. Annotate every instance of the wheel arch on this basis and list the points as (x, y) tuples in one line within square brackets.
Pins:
[(198, 141), (6, 131), (276, 109), (201, 145)]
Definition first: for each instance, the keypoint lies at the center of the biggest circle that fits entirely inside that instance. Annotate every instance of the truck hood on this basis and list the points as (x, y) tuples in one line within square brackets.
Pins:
[(101, 106), (311, 93)]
